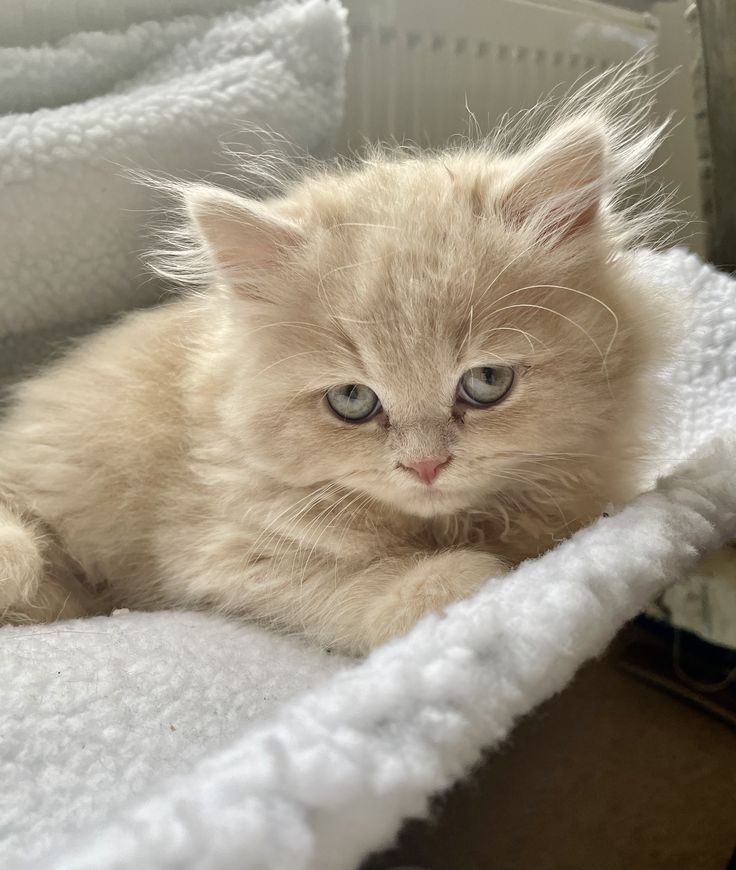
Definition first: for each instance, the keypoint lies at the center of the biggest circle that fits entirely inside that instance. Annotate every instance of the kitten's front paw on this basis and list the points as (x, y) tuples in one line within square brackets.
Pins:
[(429, 587), (444, 578), (21, 564)]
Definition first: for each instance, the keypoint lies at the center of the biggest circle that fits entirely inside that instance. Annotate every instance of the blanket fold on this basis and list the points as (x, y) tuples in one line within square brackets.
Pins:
[(160, 96)]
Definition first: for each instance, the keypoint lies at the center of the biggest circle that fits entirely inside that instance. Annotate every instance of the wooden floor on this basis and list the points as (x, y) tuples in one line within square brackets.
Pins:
[(613, 774)]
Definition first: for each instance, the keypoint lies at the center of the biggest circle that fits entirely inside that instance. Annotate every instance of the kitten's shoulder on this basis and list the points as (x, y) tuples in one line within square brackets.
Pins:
[(140, 345), (133, 371)]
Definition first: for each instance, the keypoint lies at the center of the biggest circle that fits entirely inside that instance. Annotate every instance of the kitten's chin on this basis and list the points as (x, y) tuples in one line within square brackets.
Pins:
[(431, 502)]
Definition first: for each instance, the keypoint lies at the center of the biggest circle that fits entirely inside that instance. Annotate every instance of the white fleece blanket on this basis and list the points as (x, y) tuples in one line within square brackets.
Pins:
[(178, 740), (155, 95)]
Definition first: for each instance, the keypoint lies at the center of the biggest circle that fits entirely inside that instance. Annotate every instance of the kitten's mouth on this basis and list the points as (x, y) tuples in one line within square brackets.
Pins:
[(435, 499), (418, 498)]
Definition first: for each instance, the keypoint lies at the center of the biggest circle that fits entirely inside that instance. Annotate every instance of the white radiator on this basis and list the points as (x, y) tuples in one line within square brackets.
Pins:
[(416, 63)]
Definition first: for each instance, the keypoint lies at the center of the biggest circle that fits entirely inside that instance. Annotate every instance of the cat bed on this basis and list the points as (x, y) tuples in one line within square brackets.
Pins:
[(137, 87), (180, 740)]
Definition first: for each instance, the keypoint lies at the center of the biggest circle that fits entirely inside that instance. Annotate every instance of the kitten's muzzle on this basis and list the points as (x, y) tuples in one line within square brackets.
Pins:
[(428, 468)]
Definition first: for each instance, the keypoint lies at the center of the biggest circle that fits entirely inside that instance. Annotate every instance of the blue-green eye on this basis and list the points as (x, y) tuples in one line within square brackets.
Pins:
[(485, 385), (355, 403)]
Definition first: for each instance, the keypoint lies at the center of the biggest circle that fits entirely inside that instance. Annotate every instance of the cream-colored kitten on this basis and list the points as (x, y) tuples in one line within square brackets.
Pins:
[(404, 377)]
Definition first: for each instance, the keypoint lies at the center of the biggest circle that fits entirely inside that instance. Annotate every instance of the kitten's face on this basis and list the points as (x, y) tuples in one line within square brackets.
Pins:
[(415, 305)]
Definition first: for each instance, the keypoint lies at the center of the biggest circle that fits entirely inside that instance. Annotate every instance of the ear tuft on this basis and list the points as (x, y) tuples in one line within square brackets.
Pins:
[(558, 186), (245, 240)]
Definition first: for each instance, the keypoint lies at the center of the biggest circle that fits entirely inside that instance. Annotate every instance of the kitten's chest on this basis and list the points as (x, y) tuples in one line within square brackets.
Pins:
[(466, 529), (514, 538)]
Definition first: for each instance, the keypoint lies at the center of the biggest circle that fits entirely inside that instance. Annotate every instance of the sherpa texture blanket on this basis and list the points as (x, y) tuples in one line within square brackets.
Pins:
[(137, 87), (179, 740)]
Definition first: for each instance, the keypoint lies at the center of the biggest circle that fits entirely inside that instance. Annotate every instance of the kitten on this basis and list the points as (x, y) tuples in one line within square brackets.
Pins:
[(404, 377)]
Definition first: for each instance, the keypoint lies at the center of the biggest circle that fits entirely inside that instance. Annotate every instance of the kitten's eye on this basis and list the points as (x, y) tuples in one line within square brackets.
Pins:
[(355, 403), (485, 385)]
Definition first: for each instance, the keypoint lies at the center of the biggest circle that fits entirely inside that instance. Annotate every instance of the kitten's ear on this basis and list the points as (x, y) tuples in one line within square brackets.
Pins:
[(559, 184), (245, 239)]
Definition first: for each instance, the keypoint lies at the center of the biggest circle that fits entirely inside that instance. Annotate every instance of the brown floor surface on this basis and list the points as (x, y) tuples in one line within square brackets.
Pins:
[(613, 774)]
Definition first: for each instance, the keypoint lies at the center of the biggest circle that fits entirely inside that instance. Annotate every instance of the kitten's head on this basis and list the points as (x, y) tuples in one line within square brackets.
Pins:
[(427, 330)]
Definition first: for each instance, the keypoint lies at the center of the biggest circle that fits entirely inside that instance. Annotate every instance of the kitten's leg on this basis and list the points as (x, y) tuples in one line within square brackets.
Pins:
[(387, 599), (32, 570)]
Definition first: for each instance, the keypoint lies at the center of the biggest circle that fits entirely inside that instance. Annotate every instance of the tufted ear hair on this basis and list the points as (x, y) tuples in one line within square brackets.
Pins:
[(245, 240), (557, 187)]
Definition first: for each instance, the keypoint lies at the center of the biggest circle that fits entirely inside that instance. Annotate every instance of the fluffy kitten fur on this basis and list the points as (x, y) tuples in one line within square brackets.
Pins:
[(187, 457)]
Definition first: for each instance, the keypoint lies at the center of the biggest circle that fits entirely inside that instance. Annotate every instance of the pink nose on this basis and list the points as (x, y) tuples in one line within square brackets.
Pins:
[(428, 469)]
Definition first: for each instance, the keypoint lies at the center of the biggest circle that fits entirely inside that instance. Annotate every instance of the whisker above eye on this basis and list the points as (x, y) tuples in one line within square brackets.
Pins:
[(367, 225), (527, 335), (291, 324), (286, 359), (554, 311), (570, 290)]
